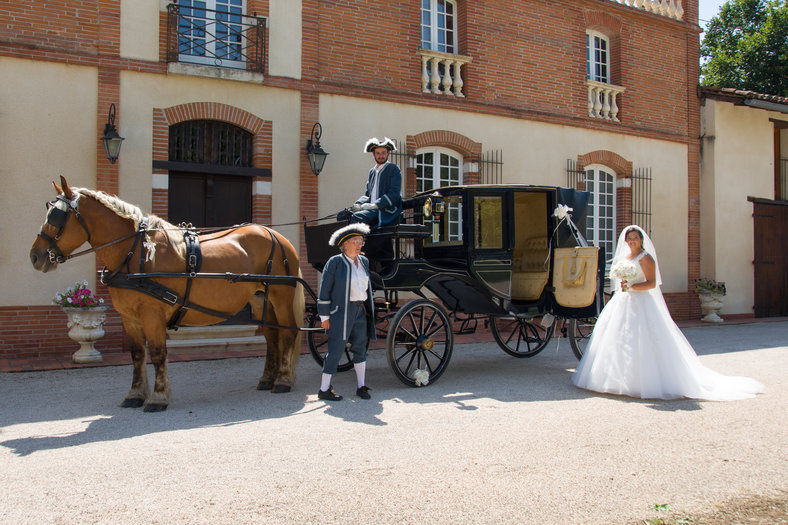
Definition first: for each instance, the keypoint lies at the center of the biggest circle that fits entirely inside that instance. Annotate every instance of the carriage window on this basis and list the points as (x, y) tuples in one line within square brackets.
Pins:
[(487, 222), (446, 230)]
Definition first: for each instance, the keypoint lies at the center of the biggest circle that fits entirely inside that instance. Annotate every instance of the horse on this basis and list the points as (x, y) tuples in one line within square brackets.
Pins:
[(122, 236)]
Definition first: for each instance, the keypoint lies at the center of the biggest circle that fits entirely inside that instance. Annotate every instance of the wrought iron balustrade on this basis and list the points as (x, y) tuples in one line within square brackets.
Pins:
[(217, 38)]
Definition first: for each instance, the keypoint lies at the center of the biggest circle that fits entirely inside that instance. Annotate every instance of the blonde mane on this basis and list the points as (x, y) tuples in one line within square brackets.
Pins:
[(129, 211)]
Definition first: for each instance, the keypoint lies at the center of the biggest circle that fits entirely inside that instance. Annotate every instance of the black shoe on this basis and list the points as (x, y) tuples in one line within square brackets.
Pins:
[(328, 395), (363, 392)]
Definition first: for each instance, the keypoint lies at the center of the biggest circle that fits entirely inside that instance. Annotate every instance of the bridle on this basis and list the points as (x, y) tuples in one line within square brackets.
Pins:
[(57, 218)]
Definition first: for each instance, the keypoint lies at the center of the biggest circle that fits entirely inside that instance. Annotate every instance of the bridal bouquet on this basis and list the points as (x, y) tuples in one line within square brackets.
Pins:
[(624, 270)]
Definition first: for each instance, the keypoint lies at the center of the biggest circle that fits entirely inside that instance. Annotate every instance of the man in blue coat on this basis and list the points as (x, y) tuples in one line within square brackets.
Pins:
[(381, 204), (346, 308)]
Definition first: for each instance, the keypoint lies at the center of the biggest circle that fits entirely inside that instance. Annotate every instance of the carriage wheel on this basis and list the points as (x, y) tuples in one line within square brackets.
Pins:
[(419, 342), (579, 334), (521, 337), (318, 345)]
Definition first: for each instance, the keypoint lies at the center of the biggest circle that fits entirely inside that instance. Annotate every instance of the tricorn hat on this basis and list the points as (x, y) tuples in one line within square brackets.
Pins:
[(346, 232), (375, 142)]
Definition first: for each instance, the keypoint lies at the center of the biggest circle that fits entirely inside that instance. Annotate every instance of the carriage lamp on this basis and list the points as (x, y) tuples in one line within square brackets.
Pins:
[(111, 139), (316, 155)]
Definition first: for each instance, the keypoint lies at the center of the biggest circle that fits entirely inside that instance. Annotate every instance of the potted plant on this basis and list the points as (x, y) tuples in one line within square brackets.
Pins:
[(86, 316), (710, 293)]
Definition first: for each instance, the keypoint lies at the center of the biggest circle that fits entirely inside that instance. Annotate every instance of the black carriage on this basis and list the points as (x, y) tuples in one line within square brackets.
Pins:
[(504, 256)]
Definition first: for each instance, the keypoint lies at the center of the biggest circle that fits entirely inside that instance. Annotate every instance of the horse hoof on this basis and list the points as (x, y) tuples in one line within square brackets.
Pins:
[(265, 385), (132, 403), (280, 389), (152, 407)]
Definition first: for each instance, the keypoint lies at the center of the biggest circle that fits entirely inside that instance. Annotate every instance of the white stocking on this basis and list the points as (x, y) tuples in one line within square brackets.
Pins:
[(360, 369), (325, 382)]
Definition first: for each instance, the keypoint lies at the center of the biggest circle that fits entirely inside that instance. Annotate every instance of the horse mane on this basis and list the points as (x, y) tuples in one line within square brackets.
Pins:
[(129, 211)]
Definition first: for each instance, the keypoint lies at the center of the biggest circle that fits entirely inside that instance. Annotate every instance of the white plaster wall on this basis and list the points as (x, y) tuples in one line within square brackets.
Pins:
[(284, 48), (47, 129), (534, 153), (139, 28), (140, 93), (742, 158)]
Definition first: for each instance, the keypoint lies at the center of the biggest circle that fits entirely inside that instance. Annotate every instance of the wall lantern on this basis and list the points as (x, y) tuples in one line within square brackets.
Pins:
[(316, 155), (111, 139)]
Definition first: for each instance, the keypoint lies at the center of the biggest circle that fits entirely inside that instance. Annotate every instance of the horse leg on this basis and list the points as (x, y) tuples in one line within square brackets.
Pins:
[(139, 381), (271, 358), (156, 335)]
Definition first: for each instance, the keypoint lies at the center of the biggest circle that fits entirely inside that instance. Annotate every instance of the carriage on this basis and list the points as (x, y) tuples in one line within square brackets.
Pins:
[(509, 257)]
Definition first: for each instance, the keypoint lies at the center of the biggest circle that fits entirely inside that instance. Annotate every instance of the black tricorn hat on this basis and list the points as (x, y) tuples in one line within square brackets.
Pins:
[(345, 233), (375, 142)]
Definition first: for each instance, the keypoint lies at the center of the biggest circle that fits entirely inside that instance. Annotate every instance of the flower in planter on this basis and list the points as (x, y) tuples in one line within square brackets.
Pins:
[(710, 285), (78, 296)]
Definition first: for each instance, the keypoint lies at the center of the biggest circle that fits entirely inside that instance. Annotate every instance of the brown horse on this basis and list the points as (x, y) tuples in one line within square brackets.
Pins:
[(127, 241)]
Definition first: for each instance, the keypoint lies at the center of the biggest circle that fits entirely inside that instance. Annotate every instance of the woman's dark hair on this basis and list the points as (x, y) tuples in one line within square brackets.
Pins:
[(633, 230)]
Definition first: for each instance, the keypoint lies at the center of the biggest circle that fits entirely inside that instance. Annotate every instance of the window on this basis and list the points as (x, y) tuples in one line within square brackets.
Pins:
[(211, 32), (601, 215), (439, 25), (597, 57), (435, 168)]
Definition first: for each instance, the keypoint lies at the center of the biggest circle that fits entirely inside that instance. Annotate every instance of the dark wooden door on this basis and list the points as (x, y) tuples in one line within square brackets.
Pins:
[(770, 221), (206, 200)]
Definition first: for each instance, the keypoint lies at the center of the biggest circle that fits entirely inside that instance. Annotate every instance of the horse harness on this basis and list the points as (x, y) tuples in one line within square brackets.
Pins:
[(141, 282)]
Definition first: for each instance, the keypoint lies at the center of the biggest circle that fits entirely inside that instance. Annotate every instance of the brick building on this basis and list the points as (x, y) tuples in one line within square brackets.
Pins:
[(217, 99)]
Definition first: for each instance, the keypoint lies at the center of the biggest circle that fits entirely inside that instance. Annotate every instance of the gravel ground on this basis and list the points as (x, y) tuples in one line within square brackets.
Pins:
[(495, 440)]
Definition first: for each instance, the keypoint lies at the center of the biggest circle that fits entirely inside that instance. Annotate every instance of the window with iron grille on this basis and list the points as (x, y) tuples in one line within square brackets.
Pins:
[(210, 142), (601, 211), (437, 167)]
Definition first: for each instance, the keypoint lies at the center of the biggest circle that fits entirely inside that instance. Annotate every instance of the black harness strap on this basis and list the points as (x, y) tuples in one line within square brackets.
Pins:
[(193, 265)]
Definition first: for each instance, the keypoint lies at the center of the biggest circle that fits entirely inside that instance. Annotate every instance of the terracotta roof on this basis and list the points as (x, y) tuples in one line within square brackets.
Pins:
[(738, 95)]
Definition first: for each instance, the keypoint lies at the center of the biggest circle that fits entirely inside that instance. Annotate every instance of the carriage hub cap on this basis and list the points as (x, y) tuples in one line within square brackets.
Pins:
[(426, 343)]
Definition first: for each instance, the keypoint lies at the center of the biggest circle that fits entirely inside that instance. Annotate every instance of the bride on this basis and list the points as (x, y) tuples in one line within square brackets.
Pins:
[(636, 349)]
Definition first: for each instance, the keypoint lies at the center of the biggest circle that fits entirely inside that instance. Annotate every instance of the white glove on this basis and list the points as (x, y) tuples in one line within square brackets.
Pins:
[(356, 207), (369, 206)]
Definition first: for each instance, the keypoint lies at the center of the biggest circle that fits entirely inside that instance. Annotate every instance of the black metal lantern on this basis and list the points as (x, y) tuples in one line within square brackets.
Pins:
[(111, 139), (316, 155)]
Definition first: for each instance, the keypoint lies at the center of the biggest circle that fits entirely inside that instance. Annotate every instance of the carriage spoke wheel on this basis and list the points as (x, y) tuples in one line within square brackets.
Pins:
[(521, 337), (419, 342), (318, 345), (579, 334)]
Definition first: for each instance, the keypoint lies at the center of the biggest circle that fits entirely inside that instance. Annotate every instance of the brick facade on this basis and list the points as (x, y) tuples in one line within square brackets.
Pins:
[(528, 63)]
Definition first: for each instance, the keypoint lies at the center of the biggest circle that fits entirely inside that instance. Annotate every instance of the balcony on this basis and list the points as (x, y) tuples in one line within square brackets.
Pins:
[(670, 8), (215, 38), (602, 100), (441, 73)]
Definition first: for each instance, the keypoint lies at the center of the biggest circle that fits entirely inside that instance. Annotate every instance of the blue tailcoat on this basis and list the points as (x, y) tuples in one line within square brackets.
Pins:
[(389, 195), (335, 294)]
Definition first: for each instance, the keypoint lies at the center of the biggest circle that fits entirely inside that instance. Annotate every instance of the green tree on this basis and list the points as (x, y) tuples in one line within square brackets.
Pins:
[(746, 47)]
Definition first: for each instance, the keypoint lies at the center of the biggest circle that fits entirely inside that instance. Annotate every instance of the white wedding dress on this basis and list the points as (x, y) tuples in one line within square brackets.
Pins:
[(637, 350)]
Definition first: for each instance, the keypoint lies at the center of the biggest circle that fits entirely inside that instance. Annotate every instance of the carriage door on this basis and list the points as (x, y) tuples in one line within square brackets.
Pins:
[(207, 186), (490, 254)]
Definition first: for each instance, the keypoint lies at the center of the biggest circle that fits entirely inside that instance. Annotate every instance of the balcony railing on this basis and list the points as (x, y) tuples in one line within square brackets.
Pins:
[(441, 73), (669, 8), (602, 100), (215, 38)]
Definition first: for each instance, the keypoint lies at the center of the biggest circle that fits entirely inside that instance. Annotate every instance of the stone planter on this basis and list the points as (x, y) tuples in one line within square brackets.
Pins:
[(710, 304), (86, 326)]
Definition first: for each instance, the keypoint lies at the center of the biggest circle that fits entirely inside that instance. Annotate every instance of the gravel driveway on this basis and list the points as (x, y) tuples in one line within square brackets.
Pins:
[(495, 440)]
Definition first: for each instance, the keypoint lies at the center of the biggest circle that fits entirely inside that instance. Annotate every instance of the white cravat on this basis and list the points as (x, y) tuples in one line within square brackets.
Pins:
[(373, 193), (359, 281)]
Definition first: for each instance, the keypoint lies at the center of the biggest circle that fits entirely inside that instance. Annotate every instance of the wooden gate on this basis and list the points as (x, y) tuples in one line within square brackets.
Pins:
[(770, 222)]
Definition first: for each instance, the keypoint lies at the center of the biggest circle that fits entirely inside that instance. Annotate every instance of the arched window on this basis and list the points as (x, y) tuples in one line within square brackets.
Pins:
[(597, 57), (436, 167), (601, 216)]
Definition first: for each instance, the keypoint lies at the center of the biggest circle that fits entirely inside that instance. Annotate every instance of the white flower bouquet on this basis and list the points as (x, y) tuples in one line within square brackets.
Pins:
[(624, 270)]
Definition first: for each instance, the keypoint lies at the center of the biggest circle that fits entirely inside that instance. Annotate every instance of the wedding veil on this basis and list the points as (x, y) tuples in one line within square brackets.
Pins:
[(622, 251)]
